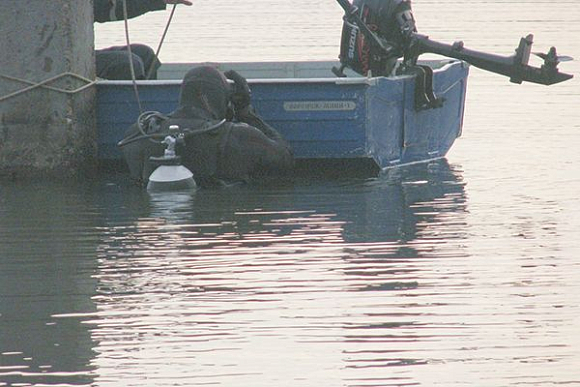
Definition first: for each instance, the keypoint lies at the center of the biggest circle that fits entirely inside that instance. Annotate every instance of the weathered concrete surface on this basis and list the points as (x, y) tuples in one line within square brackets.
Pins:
[(42, 131)]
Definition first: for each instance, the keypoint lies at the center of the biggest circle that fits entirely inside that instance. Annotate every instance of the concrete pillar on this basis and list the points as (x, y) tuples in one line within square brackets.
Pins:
[(48, 130)]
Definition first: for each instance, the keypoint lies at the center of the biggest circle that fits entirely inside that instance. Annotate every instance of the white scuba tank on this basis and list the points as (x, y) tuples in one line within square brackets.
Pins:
[(170, 175)]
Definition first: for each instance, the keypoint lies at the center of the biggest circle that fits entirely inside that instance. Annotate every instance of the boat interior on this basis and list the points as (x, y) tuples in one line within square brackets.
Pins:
[(276, 70)]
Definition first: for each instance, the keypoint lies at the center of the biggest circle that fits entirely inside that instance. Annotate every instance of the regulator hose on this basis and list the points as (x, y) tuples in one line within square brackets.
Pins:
[(144, 121)]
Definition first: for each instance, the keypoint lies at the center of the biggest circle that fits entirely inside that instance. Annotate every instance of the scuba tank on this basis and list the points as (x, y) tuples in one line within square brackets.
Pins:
[(170, 175)]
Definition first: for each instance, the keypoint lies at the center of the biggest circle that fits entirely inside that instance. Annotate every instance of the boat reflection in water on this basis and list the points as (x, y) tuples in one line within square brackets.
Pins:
[(329, 278), (257, 284)]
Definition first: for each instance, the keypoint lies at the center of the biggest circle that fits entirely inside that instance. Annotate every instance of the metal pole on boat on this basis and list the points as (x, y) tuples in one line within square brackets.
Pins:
[(47, 96)]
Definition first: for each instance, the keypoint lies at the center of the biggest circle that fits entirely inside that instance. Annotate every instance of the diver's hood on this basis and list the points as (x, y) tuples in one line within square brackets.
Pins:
[(206, 89)]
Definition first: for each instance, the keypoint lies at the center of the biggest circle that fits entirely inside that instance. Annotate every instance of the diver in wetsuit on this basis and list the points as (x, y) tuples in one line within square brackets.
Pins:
[(113, 62), (240, 149)]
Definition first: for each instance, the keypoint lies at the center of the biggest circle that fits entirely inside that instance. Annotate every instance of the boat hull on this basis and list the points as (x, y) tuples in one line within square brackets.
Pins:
[(322, 118)]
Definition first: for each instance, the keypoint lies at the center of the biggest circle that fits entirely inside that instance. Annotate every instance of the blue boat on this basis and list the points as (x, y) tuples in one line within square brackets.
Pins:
[(372, 121)]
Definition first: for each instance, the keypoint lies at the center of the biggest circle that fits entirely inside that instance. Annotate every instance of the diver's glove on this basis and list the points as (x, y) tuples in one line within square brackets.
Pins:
[(241, 93)]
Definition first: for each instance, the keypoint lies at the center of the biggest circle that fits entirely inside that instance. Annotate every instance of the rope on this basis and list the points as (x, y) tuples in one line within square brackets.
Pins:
[(150, 70), (126, 17), (162, 39), (44, 85), (141, 135), (89, 82)]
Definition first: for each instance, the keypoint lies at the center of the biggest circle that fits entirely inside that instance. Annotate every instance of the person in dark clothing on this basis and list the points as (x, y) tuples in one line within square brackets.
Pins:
[(114, 62), (226, 141)]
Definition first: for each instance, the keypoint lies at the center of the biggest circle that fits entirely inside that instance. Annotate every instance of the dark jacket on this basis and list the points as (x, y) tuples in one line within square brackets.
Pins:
[(242, 149), (111, 10)]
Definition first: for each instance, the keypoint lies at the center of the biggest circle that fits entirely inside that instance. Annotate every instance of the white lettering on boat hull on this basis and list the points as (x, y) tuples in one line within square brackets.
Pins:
[(294, 106)]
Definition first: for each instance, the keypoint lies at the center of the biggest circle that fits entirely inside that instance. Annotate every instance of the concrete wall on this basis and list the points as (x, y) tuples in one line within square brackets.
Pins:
[(44, 131)]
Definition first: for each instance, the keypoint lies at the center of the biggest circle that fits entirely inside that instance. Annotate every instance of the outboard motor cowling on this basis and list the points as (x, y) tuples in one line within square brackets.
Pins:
[(391, 21)]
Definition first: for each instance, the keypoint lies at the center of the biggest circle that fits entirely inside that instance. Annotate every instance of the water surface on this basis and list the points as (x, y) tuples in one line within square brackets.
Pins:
[(462, 272)]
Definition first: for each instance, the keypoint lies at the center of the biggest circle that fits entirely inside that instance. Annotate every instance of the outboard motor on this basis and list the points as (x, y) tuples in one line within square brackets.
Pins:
[(391, 21), (170, 175), (378, 32), (388, 26)]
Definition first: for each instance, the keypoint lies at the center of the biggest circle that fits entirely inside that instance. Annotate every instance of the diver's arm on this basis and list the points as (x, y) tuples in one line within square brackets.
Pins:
[(243, 110), (249, 116), (275, 154), (263, 145), (258, 151), (276, 159)]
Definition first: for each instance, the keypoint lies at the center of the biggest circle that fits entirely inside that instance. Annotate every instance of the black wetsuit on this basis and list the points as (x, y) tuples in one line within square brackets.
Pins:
[(239, 150), (113, 62)]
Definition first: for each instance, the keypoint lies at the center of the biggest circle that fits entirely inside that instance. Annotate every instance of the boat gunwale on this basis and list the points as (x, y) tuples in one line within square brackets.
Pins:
[(336, 80)]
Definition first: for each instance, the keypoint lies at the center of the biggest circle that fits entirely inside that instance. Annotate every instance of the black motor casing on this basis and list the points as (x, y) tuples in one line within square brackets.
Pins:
[(389, 19)]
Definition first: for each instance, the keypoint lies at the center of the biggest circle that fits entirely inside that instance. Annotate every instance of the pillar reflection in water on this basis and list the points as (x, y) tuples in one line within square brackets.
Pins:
[(47, 259)]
